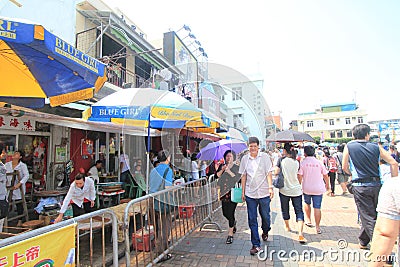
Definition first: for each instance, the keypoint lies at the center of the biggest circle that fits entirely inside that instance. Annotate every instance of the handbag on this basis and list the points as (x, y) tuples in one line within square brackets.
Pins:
[(236, 194), (160, 204), (3, 208), (278, 181)]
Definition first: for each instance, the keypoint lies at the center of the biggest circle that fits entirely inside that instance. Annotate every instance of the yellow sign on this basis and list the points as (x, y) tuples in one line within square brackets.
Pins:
[(55, 248), (71, 97), (175, 114)]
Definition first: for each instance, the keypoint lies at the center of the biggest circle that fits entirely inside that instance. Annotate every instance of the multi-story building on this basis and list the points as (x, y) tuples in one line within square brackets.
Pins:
[(247, 109), (332, 121)]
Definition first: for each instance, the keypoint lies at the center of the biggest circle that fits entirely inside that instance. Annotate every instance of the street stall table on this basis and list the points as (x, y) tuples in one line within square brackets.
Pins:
[(108, 178), (109, 190)]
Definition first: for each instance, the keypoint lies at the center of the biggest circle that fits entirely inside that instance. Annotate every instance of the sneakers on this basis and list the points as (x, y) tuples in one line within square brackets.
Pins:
[(255, 250), (302, 239), (264, 236)]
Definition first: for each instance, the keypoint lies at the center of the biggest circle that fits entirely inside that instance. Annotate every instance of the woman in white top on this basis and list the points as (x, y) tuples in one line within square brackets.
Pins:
[(23, 175), (291, 190), (81, 195)]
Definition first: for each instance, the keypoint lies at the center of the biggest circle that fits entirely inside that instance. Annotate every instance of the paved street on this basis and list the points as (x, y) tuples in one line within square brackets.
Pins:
[(339, 222)]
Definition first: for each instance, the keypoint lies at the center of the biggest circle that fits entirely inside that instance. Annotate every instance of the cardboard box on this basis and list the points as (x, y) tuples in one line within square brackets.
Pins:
[(47, 218), (143, 239), (186, 211)]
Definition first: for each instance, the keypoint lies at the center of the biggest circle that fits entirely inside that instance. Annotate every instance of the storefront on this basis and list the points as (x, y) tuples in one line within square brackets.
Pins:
[(32, 138)]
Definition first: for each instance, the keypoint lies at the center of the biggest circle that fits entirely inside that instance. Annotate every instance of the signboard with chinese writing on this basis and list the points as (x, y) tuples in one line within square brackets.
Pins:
[(13, 123), (55, 248)]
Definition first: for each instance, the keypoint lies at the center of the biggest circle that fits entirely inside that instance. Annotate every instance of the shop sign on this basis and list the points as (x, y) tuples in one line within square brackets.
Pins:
[(12, 123), (55, 248)]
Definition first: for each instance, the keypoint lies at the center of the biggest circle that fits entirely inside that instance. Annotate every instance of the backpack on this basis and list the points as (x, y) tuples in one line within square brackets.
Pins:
[(332, 164)]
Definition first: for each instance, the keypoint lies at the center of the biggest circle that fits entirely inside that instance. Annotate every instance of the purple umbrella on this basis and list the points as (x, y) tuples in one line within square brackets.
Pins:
[(217, 149)]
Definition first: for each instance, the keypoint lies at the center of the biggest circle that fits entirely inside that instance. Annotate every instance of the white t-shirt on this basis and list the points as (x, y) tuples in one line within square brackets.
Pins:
[(195, 171), (94, 173), (123, 158), (292, 187)]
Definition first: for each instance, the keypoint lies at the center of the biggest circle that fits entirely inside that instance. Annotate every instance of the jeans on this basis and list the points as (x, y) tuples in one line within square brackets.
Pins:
[(297, 203), (263, 205), (366, 199), (163, 223)]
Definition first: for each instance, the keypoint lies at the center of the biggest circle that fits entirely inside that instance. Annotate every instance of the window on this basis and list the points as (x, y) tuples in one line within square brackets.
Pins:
[(237, 120), (347, 120), (310, 124), (339, 134), (236, 93), (349, 133), (331, 122), (360, 120), (222, 97), (333, 134)]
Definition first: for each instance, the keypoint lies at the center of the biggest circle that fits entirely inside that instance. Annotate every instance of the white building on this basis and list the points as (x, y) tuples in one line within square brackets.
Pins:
[(331, 121), (246, 107)]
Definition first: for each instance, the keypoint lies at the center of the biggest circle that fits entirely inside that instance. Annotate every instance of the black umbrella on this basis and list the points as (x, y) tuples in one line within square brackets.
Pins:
[(290, 136)]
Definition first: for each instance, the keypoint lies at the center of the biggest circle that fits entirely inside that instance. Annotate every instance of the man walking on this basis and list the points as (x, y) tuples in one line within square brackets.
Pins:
[(361, 160), (255, 169)]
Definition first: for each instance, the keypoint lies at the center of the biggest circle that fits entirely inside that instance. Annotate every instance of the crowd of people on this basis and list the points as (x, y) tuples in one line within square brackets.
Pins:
[(309, 174)]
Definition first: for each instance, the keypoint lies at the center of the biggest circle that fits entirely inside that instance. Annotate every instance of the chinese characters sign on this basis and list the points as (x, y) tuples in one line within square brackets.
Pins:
[(12, 123), (55, 248)]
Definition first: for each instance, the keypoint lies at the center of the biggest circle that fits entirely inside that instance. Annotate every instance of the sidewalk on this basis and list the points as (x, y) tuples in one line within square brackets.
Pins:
[(336, 246)]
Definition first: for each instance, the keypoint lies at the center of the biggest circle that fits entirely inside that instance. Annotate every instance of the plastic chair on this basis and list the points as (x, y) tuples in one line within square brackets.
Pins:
[(141, 185), (130, 189)]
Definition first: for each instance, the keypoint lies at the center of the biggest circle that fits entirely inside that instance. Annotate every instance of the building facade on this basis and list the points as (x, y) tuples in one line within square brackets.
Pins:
[(332, 121), (247, 109)]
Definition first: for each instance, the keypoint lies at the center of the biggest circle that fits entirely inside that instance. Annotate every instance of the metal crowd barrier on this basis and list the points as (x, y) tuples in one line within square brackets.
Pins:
[(154, 224), (89, 227)]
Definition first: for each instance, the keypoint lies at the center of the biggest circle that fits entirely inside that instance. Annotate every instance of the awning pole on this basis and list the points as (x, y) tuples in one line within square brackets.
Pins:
[(148, 156)]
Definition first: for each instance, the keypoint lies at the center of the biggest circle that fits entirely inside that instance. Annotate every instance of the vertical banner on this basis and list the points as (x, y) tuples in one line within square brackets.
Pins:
[(55, 248)]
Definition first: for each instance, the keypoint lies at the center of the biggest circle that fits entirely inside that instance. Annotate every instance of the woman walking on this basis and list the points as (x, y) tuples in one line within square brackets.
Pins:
[(313, 177), (291, 191), (228, 176)]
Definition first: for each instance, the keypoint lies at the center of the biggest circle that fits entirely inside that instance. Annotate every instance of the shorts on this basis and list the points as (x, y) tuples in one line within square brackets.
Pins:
[(342, 178), (316, 200)]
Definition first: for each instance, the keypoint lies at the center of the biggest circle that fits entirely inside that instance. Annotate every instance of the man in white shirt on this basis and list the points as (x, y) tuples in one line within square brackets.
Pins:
[(256, 170), (125, 168), (94, 171), (23, 175), (81, 195)]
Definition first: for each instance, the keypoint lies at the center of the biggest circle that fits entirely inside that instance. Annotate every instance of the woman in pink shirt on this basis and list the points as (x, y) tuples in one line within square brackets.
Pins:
[(313, 177)]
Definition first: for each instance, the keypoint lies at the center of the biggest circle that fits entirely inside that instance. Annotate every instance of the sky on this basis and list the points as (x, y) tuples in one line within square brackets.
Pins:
[(308, 52)]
